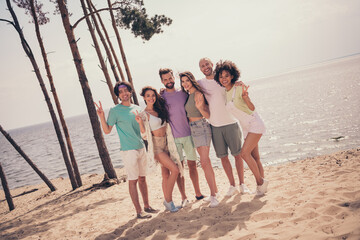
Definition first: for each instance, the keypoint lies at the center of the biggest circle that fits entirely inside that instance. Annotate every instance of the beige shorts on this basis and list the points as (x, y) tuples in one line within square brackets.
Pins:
[(135, 163), (160, 145)]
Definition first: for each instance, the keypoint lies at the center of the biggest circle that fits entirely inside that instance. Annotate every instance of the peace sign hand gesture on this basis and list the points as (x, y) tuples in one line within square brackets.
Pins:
[(99, 110), (245, 93), (138, 119)]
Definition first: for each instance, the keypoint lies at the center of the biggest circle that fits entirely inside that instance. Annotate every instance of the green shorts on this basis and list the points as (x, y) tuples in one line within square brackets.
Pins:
[(225, 137), (187, 144)]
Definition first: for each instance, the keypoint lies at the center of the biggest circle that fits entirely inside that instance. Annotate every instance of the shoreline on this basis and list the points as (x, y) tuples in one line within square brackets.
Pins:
[(316, 197)]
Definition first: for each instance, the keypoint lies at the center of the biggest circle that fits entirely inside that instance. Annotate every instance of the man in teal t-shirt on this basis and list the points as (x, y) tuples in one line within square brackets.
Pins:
[(132, 146)]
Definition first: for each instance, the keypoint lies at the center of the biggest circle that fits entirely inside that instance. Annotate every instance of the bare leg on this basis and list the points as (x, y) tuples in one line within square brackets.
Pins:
[(255, 154), (166, 162), (194, 176), (239, 168), (181, 184), (134, 195), (228, 170), (208, 170), (165, 173), (144, 191), (251, 141)]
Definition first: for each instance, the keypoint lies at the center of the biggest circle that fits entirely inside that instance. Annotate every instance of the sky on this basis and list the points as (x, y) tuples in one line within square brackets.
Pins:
[(264, 38)]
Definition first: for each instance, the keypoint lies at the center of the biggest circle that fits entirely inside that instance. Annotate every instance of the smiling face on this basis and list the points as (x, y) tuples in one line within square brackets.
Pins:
[(124, 94), (150, 97), (187, 84), (206, 67), (225, 78), (168, 80)]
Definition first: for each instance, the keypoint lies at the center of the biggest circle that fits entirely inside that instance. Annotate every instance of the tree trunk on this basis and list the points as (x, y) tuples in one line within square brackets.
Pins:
[(29, 53), (57, 102), (104, 155), (27, 159), (6, 189), (122, 51), (110, 44), (98, 51), (103, 41)]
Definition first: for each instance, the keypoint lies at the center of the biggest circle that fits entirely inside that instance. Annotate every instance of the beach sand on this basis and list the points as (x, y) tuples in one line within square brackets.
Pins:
[(315, 198)]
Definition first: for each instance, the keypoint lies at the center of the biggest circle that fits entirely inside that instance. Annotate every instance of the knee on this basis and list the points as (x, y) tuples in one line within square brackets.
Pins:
[(133, 182), (244, 155), (205, 162), (142, 179), (175, 171)]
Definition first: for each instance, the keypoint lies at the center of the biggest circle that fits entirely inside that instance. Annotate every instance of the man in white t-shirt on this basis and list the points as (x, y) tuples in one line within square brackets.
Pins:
[(226, 132)]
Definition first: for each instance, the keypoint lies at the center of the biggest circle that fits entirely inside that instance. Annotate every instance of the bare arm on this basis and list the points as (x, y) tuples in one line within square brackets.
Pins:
[(139, 120), (245, 97), (106, 128)]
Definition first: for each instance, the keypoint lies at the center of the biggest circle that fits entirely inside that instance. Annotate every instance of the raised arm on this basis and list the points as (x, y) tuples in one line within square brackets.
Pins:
[(106, 128), (245, 96), (139, 120), (201, 105)]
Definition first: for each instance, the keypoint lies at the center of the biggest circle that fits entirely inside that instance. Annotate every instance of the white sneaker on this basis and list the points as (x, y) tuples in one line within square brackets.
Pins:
[(232, 190), (261, 190), (213, 202), (244, 189), (184, 202), (208, 199), (170, 206)]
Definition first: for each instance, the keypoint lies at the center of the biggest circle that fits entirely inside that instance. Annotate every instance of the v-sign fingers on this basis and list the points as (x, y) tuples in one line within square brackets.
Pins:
[(97, 106)]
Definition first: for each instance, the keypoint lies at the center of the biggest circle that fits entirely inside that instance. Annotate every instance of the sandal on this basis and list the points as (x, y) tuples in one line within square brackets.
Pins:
[(150, 210), (143, 215)]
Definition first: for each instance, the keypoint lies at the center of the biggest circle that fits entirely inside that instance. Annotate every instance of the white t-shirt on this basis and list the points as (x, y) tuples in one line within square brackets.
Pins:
[(215, 95)]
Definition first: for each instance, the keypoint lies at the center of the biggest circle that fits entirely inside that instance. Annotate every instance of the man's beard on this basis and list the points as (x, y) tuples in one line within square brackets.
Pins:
[(170, 85)]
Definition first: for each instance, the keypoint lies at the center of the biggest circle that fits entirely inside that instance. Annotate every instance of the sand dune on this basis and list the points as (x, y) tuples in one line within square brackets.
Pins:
[(315, 198)]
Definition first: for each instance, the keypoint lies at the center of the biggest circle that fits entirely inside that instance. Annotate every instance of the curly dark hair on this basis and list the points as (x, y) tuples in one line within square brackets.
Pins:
[(160, 105), (226, 66), (118, 84)]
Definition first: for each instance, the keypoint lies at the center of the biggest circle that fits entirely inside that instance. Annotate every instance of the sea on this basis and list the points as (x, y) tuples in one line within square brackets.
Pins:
[(308, 111)]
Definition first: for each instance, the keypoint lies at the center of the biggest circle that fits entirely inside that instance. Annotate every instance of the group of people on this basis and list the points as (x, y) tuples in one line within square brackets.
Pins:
[(187, 120)]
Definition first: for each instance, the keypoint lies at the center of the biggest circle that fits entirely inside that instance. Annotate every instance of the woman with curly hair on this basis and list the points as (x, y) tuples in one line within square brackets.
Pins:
[(239, 104), (197, 111), (154, 127)]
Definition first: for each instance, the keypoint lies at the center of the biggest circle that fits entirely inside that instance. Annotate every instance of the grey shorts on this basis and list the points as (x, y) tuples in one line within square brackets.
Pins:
[(200, 132), (225, 137)]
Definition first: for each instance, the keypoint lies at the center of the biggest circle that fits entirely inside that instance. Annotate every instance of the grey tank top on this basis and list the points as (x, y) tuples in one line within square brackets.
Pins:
[(191, 110)]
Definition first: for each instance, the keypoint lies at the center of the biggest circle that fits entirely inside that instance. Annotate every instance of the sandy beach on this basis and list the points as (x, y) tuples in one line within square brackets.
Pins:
[(315, 198)]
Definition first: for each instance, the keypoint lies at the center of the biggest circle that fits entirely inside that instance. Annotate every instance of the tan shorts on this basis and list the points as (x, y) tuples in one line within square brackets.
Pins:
[(160, 145), (135, 163)]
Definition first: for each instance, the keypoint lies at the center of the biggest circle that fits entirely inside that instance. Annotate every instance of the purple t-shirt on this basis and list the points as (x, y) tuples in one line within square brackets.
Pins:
[(178, 120)]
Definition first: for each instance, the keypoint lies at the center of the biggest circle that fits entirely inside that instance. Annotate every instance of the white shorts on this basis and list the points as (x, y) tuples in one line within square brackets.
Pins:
[(252, 123), (135, 163)]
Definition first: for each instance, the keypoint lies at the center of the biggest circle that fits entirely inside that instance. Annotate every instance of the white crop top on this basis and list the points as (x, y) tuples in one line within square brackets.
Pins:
[(155, 122)]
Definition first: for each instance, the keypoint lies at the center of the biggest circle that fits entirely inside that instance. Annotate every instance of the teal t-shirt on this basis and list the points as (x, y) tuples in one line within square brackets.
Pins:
[(127, 128)]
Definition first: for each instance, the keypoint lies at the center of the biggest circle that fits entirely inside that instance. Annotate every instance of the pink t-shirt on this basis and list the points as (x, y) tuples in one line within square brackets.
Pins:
[(178, 120), (215, 95)]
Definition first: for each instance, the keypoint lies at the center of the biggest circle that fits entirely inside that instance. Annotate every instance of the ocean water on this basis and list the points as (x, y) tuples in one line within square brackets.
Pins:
[(303, 111)]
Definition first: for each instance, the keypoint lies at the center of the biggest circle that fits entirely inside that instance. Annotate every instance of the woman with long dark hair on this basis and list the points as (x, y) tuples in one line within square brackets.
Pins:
[(197, 111), (154, 127)]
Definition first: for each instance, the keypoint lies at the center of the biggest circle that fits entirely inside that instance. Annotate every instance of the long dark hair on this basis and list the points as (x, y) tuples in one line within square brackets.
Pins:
[(160, 106), (191, 77)]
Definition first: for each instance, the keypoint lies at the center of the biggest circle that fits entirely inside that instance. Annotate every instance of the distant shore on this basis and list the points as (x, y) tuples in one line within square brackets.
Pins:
[(314, 198)]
